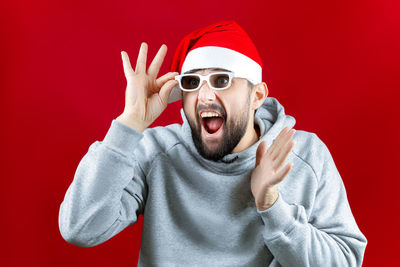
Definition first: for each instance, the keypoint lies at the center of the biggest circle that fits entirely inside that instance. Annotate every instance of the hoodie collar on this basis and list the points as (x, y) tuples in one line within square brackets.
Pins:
[(271, 119)]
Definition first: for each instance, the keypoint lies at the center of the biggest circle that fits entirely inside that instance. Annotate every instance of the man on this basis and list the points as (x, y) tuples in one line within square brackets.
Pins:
[(214, 191)]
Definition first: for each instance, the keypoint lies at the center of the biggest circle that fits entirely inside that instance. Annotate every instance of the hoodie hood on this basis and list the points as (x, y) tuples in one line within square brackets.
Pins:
[(271, 119)]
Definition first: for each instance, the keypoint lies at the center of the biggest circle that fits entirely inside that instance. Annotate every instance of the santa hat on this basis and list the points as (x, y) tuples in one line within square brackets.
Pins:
[(221, 45)]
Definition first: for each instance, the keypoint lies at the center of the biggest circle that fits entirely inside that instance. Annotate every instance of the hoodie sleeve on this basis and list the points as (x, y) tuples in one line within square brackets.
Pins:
[(108, 191), (329, 236)]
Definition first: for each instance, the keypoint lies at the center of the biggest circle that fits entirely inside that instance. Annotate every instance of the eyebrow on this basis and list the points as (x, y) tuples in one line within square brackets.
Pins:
[(194, 70)]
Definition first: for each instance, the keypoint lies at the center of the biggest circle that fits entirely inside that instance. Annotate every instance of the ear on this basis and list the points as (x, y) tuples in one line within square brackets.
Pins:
[(260, 93)]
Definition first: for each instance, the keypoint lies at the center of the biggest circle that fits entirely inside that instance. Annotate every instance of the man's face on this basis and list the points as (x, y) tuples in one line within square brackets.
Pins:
[(218, 119)]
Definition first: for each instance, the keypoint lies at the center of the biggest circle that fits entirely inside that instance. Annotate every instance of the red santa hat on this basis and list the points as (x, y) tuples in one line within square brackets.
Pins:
[(221, 45)]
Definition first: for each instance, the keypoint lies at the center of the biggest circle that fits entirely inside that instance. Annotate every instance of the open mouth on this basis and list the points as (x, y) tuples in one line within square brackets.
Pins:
[(212, 121)]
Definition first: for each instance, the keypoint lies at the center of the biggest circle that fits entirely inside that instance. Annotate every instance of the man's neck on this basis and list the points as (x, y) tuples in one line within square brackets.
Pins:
[(251, 137)]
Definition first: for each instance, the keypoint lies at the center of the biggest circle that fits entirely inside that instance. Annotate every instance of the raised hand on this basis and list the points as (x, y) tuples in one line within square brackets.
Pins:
[(268, 171), (145, 97)]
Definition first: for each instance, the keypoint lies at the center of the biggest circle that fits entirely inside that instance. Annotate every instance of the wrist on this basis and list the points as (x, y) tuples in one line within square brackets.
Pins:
[(271, 196), (131, 122)]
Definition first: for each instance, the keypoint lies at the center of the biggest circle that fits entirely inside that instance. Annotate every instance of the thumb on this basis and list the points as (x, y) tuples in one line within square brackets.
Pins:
[(166, 90), (261, 149)]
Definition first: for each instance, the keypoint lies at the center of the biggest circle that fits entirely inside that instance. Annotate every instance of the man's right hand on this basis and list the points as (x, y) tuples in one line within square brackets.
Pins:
[(146, 97)]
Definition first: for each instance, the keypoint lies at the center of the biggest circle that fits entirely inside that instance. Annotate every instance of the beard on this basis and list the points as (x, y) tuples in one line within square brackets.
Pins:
[(234, 130)]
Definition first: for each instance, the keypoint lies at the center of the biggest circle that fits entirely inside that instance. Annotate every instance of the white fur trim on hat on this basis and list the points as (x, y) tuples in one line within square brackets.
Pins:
[(220, 57)]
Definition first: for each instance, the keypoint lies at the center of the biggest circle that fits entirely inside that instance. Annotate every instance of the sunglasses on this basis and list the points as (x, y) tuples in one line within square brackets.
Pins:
[(216, 80)]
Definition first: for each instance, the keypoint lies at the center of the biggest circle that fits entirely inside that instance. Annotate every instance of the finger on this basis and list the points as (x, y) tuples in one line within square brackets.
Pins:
[(282, 173), (126, 64), (283, 140), (282, 144), (166, 90), (163, 79), (274, 144), (141, 60), (157, 61), (261, 149), (280, 160)]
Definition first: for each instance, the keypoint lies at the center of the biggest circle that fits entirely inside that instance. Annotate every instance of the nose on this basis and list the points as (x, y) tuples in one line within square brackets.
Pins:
[(206, 93)]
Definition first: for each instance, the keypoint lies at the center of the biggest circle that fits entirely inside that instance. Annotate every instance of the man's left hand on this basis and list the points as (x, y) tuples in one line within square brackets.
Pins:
[(268, 171)]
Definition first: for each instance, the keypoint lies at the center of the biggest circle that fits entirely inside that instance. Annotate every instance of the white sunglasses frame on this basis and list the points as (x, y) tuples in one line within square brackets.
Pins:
[(205, 78)]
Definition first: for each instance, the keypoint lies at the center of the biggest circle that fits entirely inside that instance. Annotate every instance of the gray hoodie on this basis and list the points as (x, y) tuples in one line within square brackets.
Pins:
[(198, 212)]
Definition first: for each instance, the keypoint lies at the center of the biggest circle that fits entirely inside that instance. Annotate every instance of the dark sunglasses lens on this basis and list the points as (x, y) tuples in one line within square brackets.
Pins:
[(219, 80), (190, 82)]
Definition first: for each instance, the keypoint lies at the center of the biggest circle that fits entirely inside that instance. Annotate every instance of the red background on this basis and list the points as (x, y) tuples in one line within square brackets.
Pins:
[(334, 65)]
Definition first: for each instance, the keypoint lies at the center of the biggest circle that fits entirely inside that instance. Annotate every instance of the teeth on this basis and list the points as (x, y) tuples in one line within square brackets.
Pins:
[(209, 114)]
